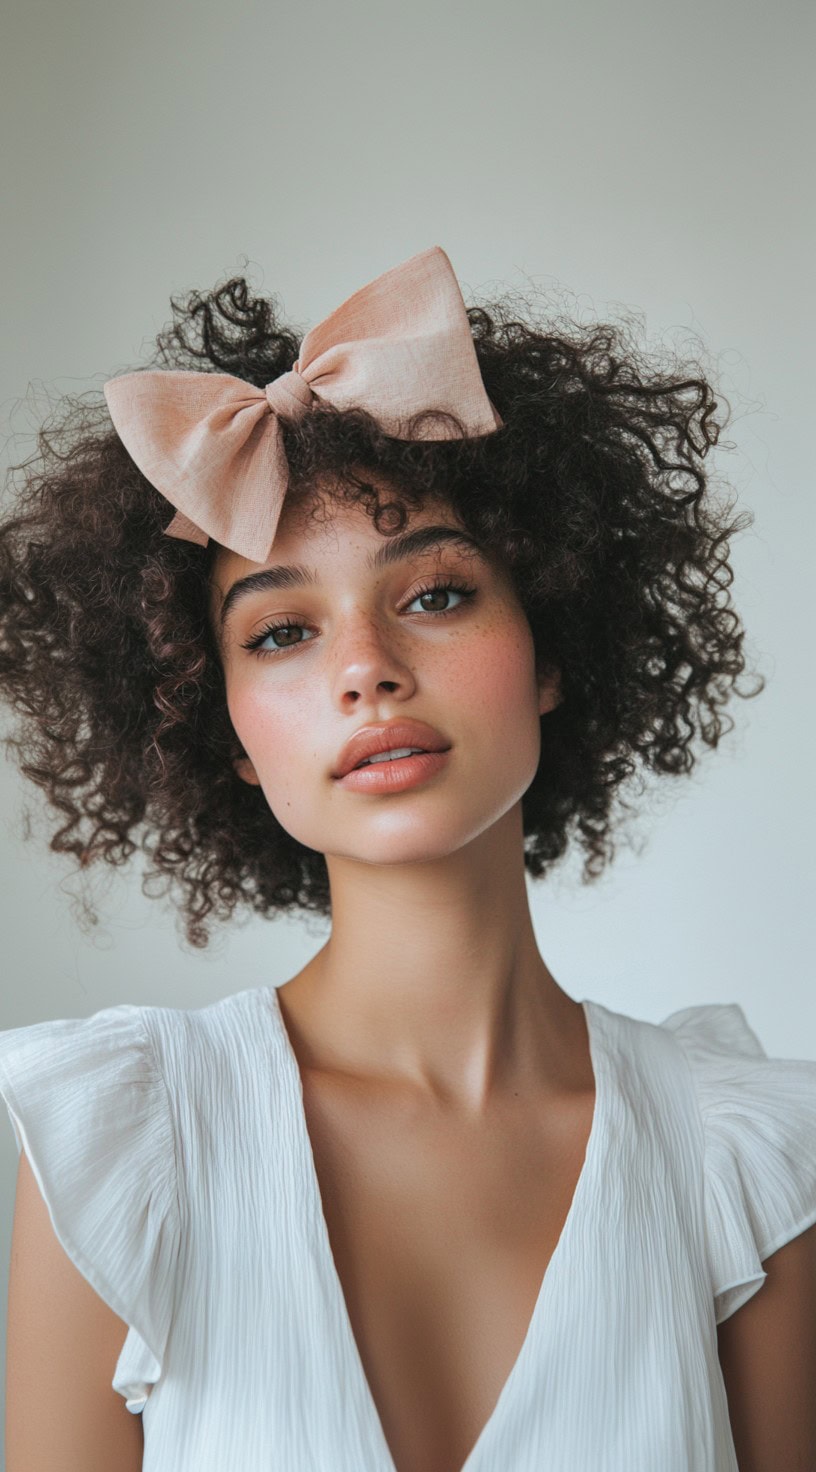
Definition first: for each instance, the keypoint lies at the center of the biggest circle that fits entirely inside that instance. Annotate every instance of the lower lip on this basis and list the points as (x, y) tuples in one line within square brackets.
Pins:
[(395, 776)]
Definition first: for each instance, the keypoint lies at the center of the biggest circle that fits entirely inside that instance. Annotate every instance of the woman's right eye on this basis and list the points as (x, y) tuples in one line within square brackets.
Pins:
[(253, 644)]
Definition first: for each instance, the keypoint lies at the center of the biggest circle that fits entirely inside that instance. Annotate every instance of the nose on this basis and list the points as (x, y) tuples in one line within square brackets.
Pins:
[(369, 662)]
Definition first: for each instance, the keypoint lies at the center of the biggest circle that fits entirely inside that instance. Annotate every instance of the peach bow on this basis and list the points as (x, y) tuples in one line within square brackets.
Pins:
[(212, 445)]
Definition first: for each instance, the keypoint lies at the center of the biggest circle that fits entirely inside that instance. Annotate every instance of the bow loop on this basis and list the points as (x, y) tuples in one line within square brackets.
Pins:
[(212, 444)]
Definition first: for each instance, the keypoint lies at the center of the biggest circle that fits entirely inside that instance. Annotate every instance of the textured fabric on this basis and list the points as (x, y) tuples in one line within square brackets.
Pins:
[(212, 444), (172, 1150), (89, 1107)]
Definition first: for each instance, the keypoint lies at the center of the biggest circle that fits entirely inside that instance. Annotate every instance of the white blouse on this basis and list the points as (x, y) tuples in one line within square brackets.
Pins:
[(171, 1148)]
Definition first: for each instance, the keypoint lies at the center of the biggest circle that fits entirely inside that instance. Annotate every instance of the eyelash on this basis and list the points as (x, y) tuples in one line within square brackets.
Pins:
[(440, 584)]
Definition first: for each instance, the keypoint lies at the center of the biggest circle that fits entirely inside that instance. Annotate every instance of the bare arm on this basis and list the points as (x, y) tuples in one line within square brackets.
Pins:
[(768, 1356), (63, 1341)]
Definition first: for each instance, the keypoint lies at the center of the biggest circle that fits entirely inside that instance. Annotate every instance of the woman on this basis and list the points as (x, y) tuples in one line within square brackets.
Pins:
[(437, 582)]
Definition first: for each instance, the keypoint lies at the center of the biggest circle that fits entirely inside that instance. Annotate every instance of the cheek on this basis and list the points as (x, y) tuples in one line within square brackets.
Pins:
[(263, 724), (495, 680)]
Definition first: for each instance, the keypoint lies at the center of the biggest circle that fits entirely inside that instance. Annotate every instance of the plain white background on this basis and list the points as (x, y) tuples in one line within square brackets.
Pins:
[(644, 158)]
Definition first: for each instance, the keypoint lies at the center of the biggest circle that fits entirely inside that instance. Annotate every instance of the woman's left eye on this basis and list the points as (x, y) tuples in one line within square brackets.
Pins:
[(284, 625), (460, 588)]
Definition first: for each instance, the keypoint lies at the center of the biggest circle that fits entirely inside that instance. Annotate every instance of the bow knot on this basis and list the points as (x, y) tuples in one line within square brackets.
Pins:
[(289, 394), (212, 444)]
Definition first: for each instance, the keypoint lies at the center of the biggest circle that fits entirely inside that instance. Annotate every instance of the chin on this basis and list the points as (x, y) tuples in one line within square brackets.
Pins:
[(416, 843)]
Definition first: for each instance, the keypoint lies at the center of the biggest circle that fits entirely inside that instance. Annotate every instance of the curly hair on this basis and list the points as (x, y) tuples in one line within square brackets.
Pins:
[(594, 495)]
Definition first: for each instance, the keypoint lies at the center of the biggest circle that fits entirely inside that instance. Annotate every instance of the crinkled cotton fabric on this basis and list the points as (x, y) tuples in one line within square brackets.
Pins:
[(171, 1148)]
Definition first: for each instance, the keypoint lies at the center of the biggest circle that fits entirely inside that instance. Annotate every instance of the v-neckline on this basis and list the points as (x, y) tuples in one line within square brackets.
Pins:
[(595, 1034)]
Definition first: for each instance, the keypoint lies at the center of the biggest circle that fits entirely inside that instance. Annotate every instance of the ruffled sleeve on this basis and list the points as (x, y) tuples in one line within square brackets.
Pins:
[(759, 1132), (90, 1107)]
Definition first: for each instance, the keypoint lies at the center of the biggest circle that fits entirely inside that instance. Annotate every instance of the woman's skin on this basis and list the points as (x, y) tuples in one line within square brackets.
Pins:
[(448, 1084)]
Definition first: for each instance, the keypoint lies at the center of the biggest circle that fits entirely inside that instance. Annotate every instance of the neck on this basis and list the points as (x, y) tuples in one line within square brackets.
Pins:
[(432, 976)]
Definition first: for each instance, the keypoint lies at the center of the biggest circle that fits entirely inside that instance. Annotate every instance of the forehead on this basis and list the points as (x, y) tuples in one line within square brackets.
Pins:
[(326, 529)]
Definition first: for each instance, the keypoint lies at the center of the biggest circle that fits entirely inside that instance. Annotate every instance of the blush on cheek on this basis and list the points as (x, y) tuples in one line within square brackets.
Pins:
[(498, 674), (258, 725), (497, 693)]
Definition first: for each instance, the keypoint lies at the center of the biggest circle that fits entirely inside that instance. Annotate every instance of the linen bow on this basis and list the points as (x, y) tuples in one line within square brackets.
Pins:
[(212, 444)]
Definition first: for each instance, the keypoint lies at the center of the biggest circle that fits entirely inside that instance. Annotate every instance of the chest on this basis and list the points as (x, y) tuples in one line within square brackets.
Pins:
[(441, 1234)]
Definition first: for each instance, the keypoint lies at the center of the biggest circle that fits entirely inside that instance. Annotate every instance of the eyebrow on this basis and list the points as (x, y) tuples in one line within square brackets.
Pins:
[(407, 544)]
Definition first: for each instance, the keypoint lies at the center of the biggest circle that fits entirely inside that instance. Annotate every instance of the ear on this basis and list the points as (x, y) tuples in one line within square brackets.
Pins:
[(549, 689), (246, 771)]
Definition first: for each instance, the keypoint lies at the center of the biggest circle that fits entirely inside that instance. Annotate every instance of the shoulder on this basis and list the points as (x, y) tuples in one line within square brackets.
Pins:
[(757, 1130), (758, 1116), (88, 1102), (113, 1112)]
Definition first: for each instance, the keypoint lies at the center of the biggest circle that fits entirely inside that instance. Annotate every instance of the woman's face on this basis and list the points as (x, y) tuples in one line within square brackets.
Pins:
[(367, 642)]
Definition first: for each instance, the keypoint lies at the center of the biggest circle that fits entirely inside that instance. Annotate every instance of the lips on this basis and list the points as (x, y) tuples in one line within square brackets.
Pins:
[(372, 740)]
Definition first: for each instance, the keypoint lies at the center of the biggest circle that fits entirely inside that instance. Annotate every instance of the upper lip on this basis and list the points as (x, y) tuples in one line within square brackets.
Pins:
[(391, 735)]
